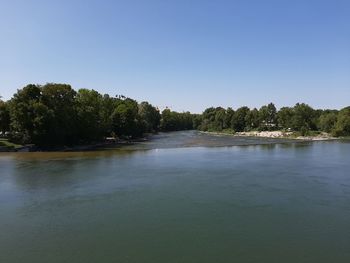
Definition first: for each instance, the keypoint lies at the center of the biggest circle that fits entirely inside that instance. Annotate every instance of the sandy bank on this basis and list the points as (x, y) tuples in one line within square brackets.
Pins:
[(280, 134)]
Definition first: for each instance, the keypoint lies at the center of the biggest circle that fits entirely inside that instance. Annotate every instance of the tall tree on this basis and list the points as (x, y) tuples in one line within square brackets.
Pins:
[(4, 117), (175, 121), (23, 111), (61, 100), (197, 121), (208, 118), (150, 116), (228, 117), (252, 119), (303, 118), (327, 121), (268, 117), (89, 105), (107, 109), (285, 117), (125, 118), (238, 121), (220, 119), (342, 126)]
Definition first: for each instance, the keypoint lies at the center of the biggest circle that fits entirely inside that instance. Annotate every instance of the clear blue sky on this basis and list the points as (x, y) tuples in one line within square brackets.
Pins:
[(185, 54)]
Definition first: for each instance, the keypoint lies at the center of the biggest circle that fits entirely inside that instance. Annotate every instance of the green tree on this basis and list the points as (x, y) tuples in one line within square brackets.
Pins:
[(285, 117), (175, 121), (186, 120), (220, 119), (89, 105), (125, 119), (23, 110), (150, 116), (42, 122), (54, 114), (4, 117), (238, 121), (61, 100), (342, 126), (327, 121), (303, 119), (268, 117), (167, 122), (228, 117), (252, 119), (107, 109), (208, 118), (197, 121)]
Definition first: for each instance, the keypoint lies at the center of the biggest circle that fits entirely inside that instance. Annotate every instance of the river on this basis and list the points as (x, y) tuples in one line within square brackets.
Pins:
[(179, 197)]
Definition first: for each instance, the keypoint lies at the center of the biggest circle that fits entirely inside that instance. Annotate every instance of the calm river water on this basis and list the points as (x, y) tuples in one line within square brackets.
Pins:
[(166, 201)]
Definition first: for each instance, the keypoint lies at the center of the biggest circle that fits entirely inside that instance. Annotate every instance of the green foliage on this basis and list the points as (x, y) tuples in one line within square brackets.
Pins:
[(90, 122), (196, 121), (125, 118), (238, 120), (4, 117), (60, 100), (55, 114), (29, 120), (327, 121), (175, 121), (268, 117), (285, 117), (305, 132), (9, 145), (107, 108), (219, 119), (342, 126), (252, 120), (229, 116), (150, 117), (303, 118), (208, 119)]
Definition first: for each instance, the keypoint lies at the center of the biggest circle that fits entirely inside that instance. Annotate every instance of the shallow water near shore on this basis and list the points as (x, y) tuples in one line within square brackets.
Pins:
[(165, 200)]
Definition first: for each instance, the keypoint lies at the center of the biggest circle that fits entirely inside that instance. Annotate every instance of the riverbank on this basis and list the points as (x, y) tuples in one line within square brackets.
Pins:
[(183, 139), (6, 146), (322, 136)]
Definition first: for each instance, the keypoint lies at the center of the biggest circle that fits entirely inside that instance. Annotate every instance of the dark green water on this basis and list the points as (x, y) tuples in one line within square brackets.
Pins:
[(168, 202)]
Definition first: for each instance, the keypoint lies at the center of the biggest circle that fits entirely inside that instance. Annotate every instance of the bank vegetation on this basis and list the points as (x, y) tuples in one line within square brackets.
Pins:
[(54, 115)]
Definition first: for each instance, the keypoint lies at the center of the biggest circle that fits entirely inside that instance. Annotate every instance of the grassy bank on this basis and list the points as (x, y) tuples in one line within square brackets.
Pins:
[(4, 143)]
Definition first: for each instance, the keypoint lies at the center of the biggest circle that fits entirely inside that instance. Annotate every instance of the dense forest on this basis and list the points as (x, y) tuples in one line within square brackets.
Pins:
[(301, 118), (55, 114)]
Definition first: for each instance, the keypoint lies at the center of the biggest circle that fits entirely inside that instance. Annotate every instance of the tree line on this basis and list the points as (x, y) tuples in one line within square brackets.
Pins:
[(301, 118), (55, 114)]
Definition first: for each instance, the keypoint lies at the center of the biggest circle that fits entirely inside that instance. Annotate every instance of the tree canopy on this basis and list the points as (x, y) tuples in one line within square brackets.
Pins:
[(4, 117), (300, 118), (55, 114)]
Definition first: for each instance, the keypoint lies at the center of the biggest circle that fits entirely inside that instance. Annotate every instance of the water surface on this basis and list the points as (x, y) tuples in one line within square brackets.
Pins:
[(164, 201)]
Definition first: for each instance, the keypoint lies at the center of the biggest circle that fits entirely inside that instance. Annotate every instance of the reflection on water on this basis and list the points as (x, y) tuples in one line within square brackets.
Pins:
[(181, 139), (164, 201), (199, 139)]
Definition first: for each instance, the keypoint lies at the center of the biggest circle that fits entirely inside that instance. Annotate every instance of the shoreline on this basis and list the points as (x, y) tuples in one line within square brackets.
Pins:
[(75, 148), (110, 144), (277, 135)]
